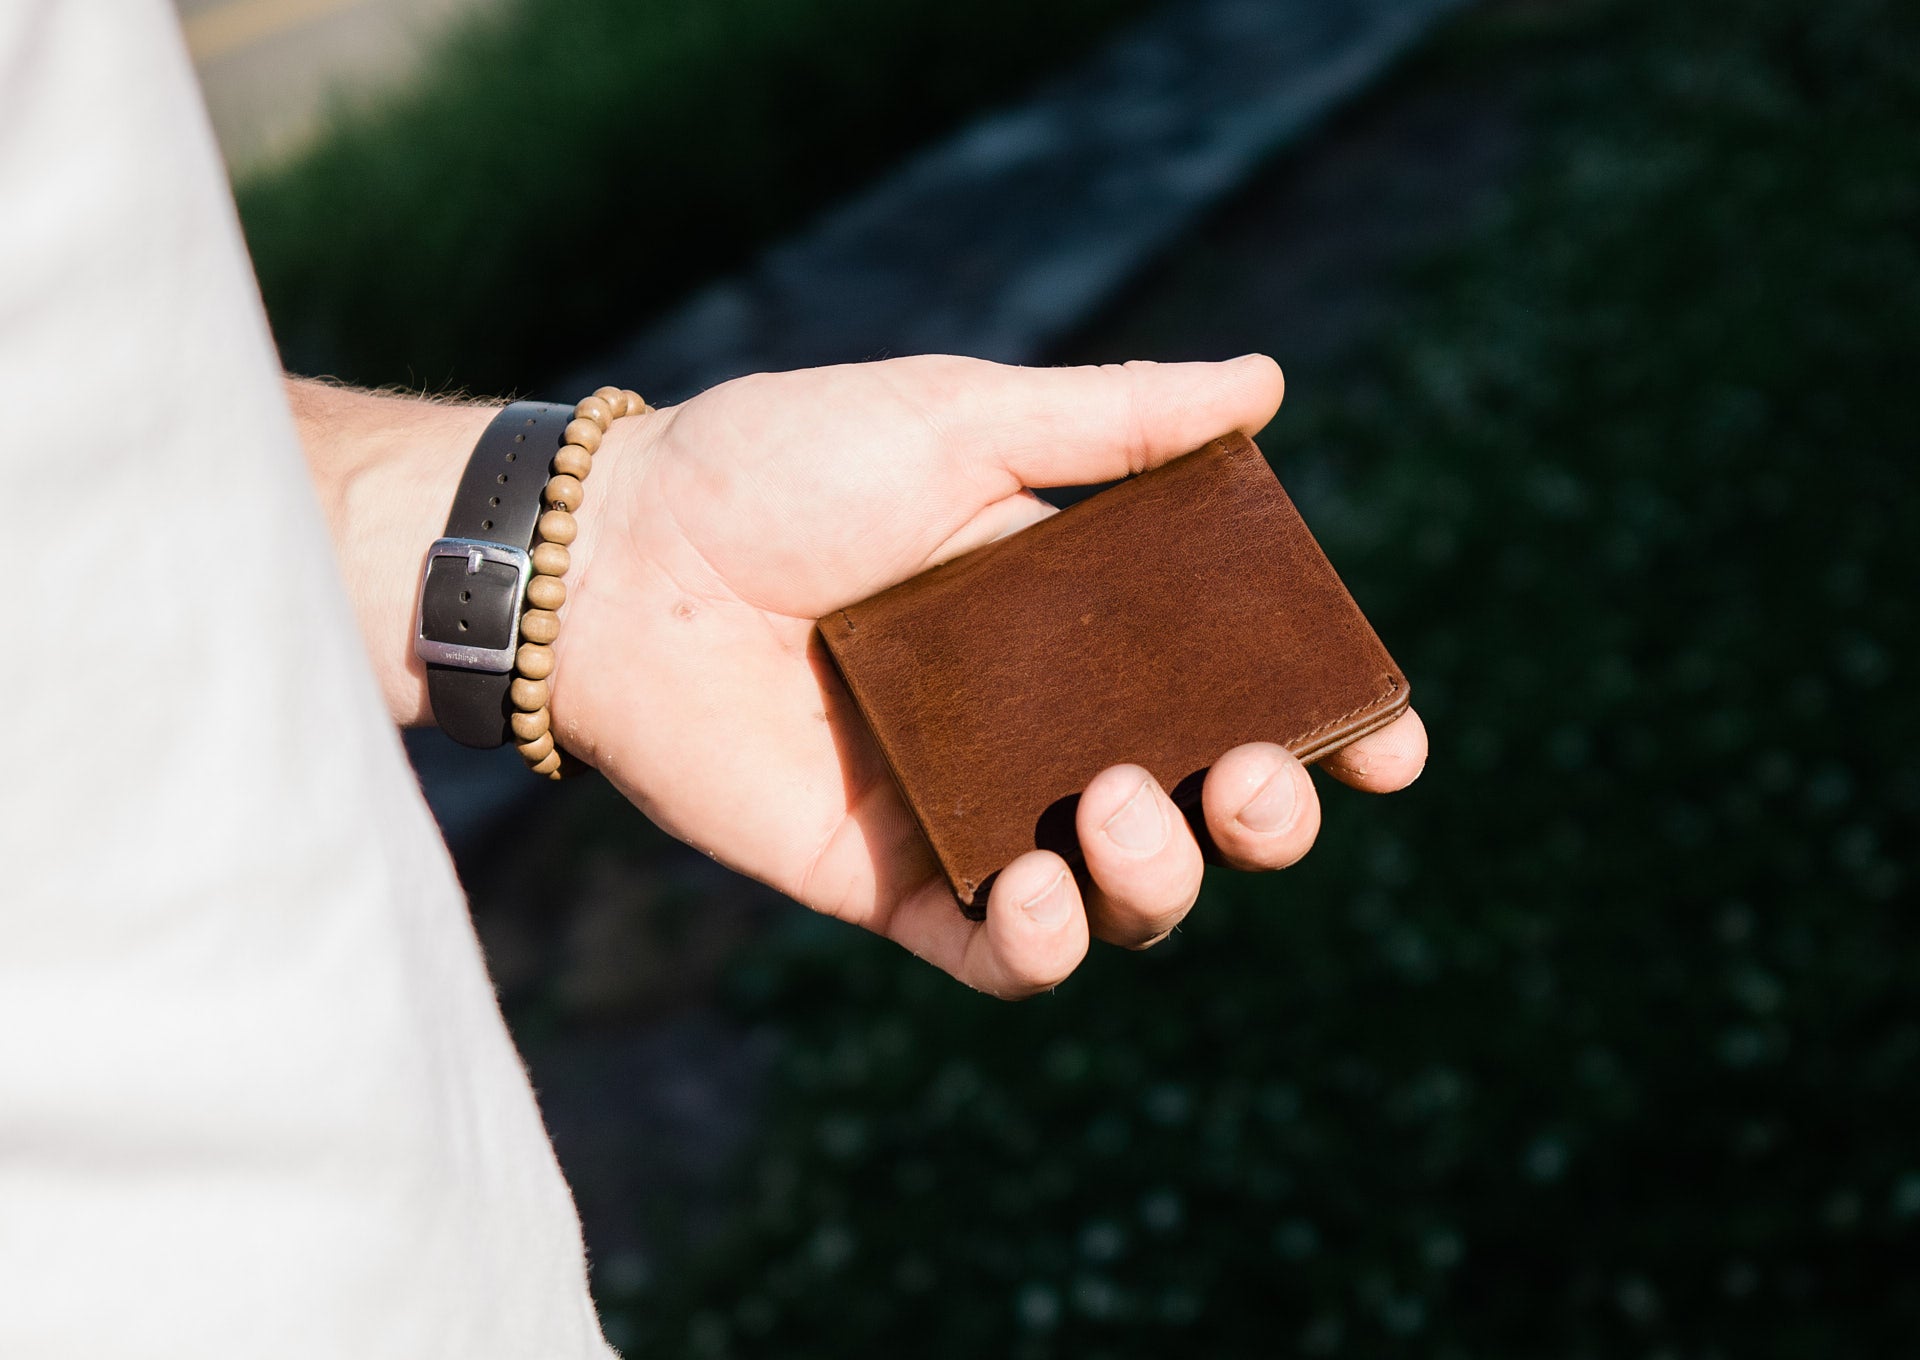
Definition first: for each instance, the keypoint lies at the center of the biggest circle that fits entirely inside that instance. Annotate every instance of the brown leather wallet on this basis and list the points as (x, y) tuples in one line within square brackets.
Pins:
[(1162, 622)]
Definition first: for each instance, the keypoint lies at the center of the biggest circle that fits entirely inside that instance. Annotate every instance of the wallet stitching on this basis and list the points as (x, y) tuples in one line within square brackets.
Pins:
[(1393, 687)]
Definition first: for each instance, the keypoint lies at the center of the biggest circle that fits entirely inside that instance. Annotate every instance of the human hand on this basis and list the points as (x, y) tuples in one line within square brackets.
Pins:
[(688, 671)]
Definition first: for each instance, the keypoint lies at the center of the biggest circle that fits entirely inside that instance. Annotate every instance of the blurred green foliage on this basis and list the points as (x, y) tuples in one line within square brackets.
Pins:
[(1604, 1039), (563, 168)]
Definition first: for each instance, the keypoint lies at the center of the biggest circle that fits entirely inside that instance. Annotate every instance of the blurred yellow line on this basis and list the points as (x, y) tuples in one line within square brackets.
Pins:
[(225, 29)]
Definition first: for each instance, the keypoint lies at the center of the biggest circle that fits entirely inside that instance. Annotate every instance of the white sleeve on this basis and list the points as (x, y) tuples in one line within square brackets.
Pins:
[(256, 1097)]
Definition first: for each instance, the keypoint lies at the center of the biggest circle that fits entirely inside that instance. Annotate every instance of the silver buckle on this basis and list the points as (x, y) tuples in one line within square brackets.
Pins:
[(475, 551)]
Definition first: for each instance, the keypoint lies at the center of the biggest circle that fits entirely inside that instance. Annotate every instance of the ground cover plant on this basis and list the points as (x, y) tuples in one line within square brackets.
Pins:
[(562, 168), (1605, 1038)]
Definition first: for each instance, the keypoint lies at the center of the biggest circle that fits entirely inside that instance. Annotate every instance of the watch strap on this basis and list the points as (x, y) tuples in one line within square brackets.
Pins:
[(471, 598)]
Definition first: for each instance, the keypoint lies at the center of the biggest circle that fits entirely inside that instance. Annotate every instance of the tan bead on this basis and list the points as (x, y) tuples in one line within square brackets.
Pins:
[(551, 559), (527, 726), (573, 461), (528, 695), (546, 592), (549, 767), (636, 403), (557, 526), (564, 493), (584, 433), (540, 625), (538, 749), (615, 399), (595, 410), (533, 661)]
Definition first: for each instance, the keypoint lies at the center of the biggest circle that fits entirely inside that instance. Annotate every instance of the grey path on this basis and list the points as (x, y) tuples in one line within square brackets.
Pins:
[(1007, 236), (1305, 263)]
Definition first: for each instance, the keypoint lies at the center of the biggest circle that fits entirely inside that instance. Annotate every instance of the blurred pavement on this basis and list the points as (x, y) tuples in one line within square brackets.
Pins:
[(270, 67), (1004, 238)]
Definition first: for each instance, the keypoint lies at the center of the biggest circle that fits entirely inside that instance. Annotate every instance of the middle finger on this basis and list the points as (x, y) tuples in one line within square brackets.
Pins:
[(1142, 861)]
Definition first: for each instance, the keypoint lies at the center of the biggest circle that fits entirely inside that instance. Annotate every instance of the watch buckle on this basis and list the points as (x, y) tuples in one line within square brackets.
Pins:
[(475, 551)]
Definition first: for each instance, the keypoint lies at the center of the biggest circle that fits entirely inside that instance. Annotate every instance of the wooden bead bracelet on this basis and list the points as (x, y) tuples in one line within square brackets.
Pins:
[(532, 688)]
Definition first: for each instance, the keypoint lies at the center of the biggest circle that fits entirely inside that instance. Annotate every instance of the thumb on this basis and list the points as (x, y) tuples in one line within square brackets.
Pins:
[(1071, 426)]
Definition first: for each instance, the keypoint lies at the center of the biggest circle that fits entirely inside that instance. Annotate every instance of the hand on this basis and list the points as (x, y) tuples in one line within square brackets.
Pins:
[(688, 671)]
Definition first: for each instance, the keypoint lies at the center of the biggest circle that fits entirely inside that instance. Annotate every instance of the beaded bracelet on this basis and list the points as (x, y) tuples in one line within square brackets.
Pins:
[(532, 688)]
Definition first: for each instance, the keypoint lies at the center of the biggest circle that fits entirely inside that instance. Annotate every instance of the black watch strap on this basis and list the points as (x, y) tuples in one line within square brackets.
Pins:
[(475, 579)]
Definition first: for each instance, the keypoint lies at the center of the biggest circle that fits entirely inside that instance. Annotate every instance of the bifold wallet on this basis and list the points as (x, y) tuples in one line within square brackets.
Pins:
[(1161, 622)]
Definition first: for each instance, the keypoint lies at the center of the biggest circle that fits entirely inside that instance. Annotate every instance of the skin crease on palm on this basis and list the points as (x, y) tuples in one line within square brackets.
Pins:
[(689, 673)]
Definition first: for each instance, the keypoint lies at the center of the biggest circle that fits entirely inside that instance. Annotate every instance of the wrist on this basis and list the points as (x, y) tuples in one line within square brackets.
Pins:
[(608, 529), (386, 469)]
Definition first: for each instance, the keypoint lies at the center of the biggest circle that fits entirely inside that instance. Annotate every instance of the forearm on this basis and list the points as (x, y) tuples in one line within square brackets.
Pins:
[(385, 469)]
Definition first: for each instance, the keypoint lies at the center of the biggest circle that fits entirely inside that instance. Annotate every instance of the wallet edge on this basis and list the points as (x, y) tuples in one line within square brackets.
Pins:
[(964, 889), (1363, 721)]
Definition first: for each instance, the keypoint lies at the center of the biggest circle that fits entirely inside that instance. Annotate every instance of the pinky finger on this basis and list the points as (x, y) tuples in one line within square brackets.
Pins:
[(1382, 761)]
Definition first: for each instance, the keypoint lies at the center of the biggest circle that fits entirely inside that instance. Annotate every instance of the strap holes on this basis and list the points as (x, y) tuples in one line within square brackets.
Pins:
[(463, 625), (502, 479), (486, 524), (495, 502), (466, 597), (520, 438), (511, 455)]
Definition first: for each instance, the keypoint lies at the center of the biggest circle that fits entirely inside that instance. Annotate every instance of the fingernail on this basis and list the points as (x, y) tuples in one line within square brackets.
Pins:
[(1139, 827), (1048, 908), (1272, 808)]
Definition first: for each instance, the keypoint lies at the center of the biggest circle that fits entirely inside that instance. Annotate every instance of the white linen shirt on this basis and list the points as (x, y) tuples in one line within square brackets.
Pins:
[(256, 1097)]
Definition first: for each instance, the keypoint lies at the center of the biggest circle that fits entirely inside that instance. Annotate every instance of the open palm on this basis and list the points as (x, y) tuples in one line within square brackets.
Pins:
[(690, 673)]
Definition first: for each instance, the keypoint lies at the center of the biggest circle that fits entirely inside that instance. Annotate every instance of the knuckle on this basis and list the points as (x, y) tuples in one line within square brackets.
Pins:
[(1126, 380), (1022, 985), (1137, 925)]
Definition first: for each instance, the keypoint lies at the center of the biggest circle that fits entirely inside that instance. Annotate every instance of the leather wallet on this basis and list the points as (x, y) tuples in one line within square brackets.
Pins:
[(1161, 622)]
